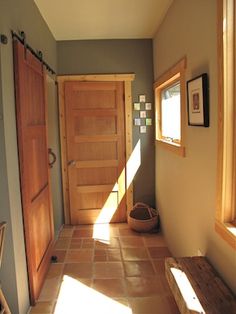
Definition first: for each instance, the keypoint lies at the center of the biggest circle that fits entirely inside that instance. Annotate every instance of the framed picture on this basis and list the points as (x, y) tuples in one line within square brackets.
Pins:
[(198, 101)]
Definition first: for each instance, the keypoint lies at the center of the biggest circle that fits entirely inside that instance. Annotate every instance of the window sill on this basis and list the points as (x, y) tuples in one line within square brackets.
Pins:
[(227, 231), (173, 147)]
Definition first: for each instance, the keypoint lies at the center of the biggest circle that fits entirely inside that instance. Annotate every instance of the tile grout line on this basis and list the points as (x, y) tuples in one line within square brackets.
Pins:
[(150, 257)]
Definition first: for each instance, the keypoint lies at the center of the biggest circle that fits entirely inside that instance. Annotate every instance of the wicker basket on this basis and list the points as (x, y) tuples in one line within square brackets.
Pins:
[(142, 218)]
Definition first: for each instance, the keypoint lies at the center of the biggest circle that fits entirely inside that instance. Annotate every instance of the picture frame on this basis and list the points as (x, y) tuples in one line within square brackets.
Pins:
[(198, 101)]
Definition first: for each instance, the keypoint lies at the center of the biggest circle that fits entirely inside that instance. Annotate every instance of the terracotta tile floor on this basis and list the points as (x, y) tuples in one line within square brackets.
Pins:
[(107, 269)]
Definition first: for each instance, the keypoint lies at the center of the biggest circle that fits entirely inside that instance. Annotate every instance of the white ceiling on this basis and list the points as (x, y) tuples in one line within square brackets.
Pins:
[(103, 19)]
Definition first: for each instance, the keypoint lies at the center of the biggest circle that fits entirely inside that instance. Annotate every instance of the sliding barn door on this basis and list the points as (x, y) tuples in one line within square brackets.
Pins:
[(34, 171), (95, 135)]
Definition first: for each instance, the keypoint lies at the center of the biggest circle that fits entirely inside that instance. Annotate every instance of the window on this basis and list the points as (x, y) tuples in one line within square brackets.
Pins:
[(170, 108), (170, 113), (226, 190)]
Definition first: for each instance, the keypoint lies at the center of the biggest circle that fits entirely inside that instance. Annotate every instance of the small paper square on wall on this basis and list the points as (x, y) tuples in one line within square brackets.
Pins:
[(142, 98), (137, 121), (137, 106), (148, 106), (143, 114), (143, 129)]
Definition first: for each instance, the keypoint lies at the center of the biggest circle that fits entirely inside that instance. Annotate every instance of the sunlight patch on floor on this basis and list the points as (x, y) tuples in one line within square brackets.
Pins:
[(101, 232), (75, 297), (187, 291)]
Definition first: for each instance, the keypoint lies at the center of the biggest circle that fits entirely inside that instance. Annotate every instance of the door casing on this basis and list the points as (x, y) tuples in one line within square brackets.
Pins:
[(127, 79)]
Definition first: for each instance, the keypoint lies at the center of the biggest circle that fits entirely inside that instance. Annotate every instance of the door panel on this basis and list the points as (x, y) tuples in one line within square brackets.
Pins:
[(86, 97), (90, 200), (96, 151), (40, 218), (96, 176), (89, 125), (34, 171), (36, 155)]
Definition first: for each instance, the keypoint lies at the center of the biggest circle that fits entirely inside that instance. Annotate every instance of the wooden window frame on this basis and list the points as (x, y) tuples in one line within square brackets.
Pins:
[(225, 220), (127, 80), (173, 75)]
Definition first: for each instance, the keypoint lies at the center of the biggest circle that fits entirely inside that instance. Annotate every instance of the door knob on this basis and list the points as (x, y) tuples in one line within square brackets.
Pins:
[(71, 163)]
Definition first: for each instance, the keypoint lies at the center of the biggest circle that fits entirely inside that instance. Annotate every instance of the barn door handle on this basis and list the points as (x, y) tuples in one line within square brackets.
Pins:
[(54, 157), (71, 163)]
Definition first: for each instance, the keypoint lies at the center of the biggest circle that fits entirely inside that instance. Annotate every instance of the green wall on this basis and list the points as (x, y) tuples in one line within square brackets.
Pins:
[(119, 56), (16, 15), (186, 187)]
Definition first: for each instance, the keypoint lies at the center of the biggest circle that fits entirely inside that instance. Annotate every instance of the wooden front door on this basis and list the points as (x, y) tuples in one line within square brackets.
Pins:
[(34, 171), (95, 134)]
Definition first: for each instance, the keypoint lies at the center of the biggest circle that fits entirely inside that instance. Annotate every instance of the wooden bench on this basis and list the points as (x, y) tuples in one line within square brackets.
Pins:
[(197, 288)]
